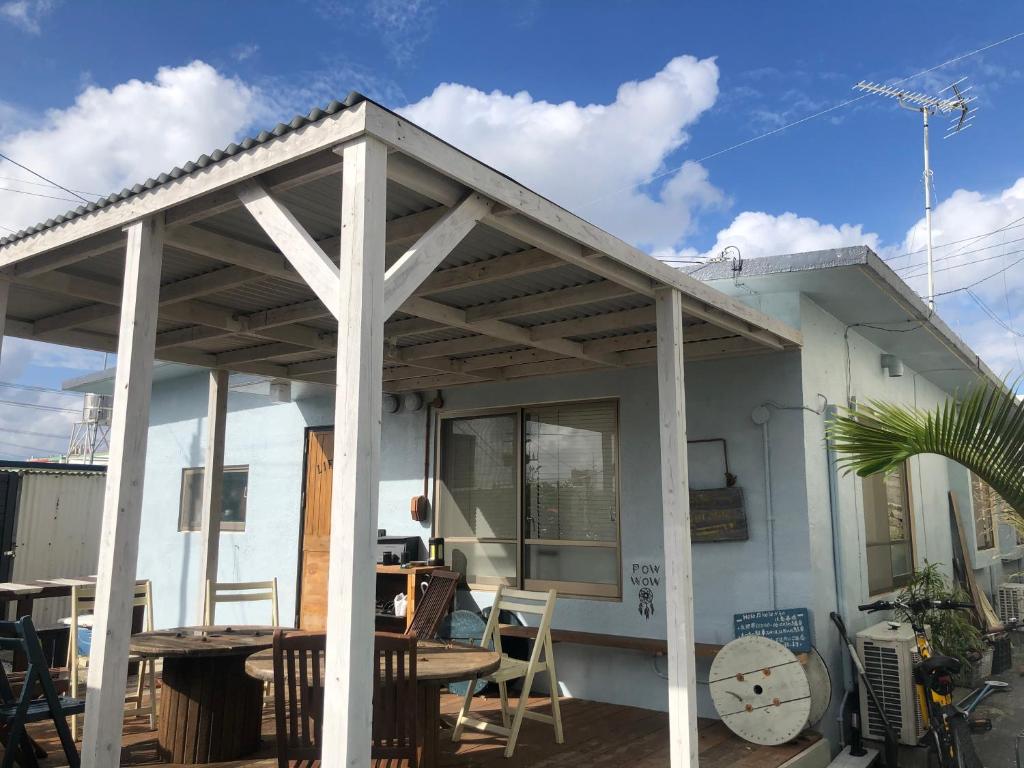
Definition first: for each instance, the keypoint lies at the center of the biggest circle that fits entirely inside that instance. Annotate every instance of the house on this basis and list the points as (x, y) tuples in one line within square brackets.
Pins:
[(572, 458), (350, 253)]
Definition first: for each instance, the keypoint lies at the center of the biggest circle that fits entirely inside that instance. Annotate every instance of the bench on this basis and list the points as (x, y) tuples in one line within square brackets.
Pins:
[(652, 646)]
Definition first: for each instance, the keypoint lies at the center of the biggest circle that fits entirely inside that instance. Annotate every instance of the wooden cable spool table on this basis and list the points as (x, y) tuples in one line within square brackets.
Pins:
[(437, 663), (210, 709)]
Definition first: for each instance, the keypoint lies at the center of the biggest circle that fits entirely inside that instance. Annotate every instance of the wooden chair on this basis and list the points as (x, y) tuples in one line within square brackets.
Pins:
[(394, 700), (298, 696), (434, 605), (241, 592), (83, 605), (26, 707), (540, 604)]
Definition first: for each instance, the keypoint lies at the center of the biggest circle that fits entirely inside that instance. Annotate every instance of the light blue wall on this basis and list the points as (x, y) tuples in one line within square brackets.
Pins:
[(728, 577)]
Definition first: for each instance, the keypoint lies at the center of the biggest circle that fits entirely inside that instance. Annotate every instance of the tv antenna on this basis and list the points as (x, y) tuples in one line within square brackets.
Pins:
[(958, 105)]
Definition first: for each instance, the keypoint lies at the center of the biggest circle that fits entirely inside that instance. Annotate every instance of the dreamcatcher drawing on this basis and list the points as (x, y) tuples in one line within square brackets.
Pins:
[(646, 606)]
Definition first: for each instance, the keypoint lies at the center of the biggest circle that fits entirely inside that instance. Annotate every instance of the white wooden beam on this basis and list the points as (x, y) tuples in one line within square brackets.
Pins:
[(675, 501), (351, 582), (122, 502), (414, 266), (290, 147), (213, 487), (259, 352), (292, 239), (489, 271), (499, 329), (563, 298), (609, 321)]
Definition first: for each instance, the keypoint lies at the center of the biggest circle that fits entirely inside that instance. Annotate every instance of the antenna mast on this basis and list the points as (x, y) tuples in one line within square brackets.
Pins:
[(959, 105)]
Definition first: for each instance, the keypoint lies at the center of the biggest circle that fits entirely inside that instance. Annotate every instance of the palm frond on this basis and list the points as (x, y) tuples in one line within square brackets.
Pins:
[(983, 431)]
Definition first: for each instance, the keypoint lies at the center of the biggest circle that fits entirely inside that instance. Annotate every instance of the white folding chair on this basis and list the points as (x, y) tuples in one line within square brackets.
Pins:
[(240, 592), (83, 606), (518, 601)]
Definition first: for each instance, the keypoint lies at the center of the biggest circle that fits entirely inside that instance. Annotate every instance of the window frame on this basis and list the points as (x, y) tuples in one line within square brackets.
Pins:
[(896, 582), (583, 590), (225, 526), (990, 511)]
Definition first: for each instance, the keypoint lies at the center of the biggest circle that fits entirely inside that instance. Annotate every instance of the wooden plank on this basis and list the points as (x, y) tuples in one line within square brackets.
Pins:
[(122, 503), (489, 271), (675, 500), (301, 250), (347, 709), (213, 485), (575, 296), (407, 274)]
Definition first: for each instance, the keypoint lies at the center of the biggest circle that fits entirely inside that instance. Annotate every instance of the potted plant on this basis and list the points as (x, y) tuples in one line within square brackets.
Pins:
[(951, 632)]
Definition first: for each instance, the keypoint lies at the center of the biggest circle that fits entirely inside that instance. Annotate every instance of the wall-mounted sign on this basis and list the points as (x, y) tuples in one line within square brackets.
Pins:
[(789, 626), (645, 577), (718, 514)]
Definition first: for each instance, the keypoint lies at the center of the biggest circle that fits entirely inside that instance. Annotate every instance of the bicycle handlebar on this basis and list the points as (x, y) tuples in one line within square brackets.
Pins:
[(915, 606)]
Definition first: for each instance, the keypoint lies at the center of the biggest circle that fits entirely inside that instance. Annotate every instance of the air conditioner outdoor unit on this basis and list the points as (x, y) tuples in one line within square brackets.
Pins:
[(889, 652), (1010, 602)]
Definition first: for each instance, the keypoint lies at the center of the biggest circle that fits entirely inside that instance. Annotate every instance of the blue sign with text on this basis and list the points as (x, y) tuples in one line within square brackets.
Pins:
[(789, 626)]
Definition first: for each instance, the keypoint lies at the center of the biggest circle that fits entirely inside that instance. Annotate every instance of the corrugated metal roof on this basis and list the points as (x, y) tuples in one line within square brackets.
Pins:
[(203, 161)]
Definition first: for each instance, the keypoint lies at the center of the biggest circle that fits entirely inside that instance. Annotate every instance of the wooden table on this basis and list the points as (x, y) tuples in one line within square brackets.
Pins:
[(437, 663), (210, 709)]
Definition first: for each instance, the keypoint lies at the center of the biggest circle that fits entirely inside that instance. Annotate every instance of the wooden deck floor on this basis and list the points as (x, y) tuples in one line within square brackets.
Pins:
[(596, 736)]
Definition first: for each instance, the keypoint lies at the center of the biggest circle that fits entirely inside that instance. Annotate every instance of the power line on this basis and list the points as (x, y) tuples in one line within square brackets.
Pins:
[(29, 448), (991, 313), (41, 407), (37, 388), (984, 279), (30, 433), (41, 184), (801, 120), (39, 175), (38, 194), (911, 267), (1012, 225)]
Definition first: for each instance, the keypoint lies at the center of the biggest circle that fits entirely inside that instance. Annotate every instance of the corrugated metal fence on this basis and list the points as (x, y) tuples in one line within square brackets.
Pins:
[(57, 531)]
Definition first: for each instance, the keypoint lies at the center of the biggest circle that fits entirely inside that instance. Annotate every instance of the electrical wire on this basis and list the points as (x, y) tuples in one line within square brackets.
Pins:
[(41, 407), (30, 433), (799, 121), (46, 184), (984, 279), (39, 175), (38, 194), (37, 388), (29, 448), (961, 266), (992, 313)]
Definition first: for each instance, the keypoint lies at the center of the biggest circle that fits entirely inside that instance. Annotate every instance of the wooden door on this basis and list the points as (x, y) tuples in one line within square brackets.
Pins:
[(316, 529)]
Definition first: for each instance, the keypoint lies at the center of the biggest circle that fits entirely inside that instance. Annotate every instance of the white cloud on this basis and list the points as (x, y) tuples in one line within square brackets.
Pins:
[(27, 14), (112, 138), (759, 234), (246, 51), (594, 159)]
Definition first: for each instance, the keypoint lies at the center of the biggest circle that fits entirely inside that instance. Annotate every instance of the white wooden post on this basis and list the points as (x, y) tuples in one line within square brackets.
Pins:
[(351, 579), (122, 504), (675, 499), (213, 486)]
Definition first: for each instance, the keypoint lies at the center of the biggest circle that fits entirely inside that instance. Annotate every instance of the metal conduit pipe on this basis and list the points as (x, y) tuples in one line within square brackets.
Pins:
[(760, 416)]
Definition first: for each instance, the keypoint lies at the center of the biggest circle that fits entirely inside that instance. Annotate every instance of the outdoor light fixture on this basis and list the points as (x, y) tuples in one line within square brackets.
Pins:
[(893, 365), (280, 391), (391, 403)]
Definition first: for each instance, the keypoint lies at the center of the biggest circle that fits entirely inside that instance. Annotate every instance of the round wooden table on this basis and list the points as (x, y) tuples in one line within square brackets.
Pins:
[(210, 709), (437, 663)]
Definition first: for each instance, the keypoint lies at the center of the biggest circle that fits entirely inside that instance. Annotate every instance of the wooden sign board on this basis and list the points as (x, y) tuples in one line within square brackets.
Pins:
[(718, 514), (789, 626)]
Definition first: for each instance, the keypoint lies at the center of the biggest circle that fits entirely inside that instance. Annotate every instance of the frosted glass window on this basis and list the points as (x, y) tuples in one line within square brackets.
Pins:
[(888, 529)]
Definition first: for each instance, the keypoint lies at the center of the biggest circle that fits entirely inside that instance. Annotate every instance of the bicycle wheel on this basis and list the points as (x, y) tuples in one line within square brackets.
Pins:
[(963, 744)]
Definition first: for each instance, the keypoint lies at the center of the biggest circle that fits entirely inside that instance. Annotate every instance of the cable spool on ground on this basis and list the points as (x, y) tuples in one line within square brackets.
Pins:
[(760, 690)]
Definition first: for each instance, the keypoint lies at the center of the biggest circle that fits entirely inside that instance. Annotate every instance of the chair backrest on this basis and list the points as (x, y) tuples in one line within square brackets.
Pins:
[(21, 636), (394, 698), (433, 605), (521, 601), (83, 603), (241, 592), (298, 694)]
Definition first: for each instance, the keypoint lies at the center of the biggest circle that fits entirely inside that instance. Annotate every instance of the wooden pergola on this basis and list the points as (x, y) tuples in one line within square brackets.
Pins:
[(353, 248)]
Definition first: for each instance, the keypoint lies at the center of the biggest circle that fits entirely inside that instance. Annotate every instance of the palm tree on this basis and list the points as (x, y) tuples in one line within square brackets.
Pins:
[(983, 431)]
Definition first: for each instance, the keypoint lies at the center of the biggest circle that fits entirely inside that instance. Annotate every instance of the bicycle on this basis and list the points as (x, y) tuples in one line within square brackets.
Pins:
[(947, 723)]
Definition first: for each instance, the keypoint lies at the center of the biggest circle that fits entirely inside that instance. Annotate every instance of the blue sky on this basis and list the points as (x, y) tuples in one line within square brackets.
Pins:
[(614, 109)]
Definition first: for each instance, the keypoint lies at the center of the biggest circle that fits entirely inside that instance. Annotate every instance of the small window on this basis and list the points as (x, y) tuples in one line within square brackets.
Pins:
[(234, 494), (889, 530), (987, 508)]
